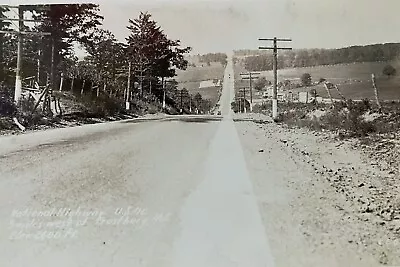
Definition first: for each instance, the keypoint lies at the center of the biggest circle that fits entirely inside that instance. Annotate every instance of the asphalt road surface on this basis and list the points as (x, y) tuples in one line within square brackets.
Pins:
[(169, 192)]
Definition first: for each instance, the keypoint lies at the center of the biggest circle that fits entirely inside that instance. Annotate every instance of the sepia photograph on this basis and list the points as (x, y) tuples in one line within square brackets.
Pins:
[(199, 133)]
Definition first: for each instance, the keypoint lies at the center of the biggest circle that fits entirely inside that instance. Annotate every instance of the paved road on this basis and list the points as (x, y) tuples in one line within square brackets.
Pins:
[(173, 192)]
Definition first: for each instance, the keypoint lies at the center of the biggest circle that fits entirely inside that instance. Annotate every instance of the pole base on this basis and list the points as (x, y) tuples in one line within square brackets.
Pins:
[(274, 109), (127, 105)]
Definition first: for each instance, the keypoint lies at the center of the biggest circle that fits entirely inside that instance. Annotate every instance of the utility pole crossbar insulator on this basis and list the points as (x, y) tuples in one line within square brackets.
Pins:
[(277, 39), (275, 49)]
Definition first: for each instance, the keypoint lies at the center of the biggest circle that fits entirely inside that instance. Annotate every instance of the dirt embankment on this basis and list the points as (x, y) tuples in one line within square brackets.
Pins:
[(324, 201)]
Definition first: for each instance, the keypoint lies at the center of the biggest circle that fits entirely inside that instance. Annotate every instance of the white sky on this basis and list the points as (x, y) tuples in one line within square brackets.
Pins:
[(223, 25)]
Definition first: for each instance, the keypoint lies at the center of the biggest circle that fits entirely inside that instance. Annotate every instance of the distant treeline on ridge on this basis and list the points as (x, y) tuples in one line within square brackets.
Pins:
[(262, 61)]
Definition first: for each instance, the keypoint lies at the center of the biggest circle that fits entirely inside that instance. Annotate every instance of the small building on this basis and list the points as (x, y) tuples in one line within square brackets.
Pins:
[(303, 97)]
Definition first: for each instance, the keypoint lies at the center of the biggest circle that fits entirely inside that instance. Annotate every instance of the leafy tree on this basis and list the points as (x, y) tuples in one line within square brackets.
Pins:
[(306, 79), (106, 55), (67, 23), (260, 83), (198, 99), (4, 40), (389, 70)]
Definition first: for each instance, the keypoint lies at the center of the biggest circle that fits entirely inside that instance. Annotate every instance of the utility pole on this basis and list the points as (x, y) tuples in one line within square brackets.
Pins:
[(275, 49), (181, 101), (243, 89), (20, 33), (250, 78), (163, 88), (18, 81), (128, 87)]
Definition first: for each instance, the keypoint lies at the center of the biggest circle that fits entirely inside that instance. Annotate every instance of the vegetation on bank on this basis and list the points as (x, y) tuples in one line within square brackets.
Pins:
[(346, 118), (99, 82)]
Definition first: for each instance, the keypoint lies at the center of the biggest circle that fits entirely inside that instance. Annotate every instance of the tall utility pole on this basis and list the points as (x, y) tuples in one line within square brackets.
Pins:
[(250, 78), (20, 33), (18, 81), (128, 88), (163, 88), (243, 89), (181, 101), (275, 69)]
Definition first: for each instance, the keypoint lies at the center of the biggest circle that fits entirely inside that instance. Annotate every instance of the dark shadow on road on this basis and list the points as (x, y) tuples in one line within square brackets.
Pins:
[(143, 120), (197, 120), (194, 119)]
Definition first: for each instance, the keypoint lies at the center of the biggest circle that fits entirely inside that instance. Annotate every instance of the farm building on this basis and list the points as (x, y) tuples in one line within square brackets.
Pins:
[(210, 83)]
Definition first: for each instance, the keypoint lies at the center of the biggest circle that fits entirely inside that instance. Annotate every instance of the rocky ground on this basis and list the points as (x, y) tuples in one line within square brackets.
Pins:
[(325, 201)]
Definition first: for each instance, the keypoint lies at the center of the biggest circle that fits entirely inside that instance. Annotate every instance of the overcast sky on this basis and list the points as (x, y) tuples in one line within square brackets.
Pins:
[(223, 25)]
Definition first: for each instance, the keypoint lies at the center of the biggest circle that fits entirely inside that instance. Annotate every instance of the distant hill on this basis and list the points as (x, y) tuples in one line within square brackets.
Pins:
[(207, 59), (255, 61)]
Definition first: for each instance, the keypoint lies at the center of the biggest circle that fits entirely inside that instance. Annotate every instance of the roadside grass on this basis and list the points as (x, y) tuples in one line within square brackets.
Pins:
[(346, 119)]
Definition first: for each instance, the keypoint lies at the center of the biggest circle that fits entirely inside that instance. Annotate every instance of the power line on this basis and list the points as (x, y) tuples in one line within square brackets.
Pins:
[(20, 33), (250, 78), (275, 49)]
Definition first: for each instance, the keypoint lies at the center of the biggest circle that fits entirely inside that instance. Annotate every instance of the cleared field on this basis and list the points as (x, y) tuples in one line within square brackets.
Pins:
[(354, 71), (197, 74), (354, 80), (191, 78)]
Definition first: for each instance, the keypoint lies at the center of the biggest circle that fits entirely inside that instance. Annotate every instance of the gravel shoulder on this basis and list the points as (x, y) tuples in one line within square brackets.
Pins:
[(322, 201)]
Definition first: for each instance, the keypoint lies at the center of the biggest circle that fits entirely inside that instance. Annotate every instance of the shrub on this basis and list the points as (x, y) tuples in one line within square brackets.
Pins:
[(7, 106), (306, 79), (389, 70)]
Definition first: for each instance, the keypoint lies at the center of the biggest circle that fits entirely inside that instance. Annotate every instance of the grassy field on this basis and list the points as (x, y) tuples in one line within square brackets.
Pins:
[(354, 80), (198, 74), (191, 78)]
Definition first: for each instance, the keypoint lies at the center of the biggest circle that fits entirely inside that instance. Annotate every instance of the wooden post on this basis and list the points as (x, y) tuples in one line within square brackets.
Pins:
[(329, 92), (376, 92), (340, 93), (251, 95), (61, 81), (59, 106)]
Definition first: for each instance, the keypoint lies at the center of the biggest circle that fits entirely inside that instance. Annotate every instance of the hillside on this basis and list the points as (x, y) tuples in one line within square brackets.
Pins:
[(255, 61), (354, 80), (193, 76)]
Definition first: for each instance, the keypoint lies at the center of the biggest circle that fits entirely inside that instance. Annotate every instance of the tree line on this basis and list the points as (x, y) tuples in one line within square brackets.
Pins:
[(214, 57), (315, 57), (50, 59)]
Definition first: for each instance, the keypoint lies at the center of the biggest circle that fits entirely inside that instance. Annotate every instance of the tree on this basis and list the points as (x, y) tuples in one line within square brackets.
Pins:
[(149, 47), (4, 25), (306, 79), (67, 23), (260, 83), (389, 70), (197, 99)]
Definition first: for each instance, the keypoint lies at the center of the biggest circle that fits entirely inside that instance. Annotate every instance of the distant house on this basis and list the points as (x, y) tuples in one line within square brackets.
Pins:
[(210, 83), (270, 93)]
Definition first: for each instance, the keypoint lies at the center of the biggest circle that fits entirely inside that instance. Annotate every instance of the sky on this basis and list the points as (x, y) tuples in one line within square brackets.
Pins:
[(224, 25)]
